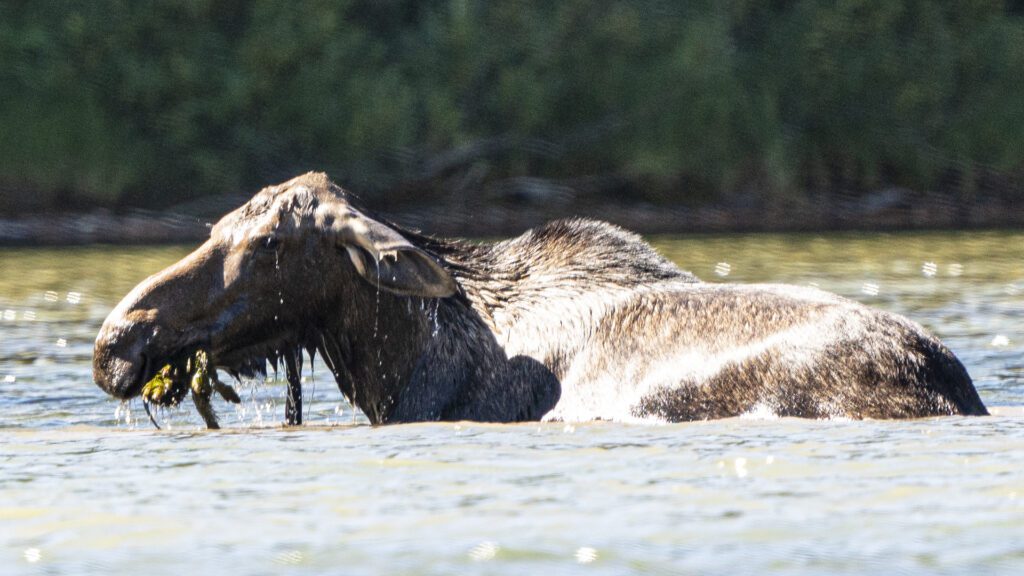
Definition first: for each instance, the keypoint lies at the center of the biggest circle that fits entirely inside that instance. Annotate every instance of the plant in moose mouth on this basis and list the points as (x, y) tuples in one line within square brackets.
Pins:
[(188, 373)]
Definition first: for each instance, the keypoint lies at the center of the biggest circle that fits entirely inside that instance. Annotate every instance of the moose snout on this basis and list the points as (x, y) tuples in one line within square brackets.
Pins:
[(144, 328), (119, 359)]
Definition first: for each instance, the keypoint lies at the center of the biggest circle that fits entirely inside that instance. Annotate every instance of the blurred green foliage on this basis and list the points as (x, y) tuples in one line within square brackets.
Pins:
[(117, 102)]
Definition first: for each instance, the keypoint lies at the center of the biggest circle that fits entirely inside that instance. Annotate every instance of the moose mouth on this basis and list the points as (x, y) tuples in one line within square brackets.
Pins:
[(128, 356), (248, 362)]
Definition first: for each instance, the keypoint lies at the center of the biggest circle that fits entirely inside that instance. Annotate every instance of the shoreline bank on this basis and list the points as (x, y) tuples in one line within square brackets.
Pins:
[(151, 227)]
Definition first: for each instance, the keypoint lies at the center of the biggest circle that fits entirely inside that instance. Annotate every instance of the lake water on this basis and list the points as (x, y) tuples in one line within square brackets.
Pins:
[(87, 486)]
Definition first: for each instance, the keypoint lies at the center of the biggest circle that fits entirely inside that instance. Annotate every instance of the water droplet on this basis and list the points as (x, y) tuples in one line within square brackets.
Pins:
[(586, 555), (51, 296), (74, 297), (29, 315), (123, 414), (62, 343), (33, 555), (432, 317), (956, 269), (870, 289), (376, 307), (9, 315), (929, 269), (483, 551), (9, 379), (723, 269)]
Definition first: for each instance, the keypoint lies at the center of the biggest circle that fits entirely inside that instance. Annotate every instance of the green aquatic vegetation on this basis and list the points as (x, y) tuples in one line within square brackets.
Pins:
[(189, 374)]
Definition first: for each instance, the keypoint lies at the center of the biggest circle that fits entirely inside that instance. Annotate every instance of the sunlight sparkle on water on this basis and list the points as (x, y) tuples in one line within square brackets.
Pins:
[(483, 551), (740, 465), (1000, 341), (289, 558), (586, 555)]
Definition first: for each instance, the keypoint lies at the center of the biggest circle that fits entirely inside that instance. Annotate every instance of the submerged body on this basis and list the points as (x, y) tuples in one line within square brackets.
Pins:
[(601, 327), (576, 320)]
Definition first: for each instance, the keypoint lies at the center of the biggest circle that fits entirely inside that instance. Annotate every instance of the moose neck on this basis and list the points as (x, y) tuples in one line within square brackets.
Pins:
[(401, 358), (375, 344)]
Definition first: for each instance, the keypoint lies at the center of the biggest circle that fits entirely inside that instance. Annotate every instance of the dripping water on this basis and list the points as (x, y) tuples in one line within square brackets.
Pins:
[(312, 384), (123, 415), (376, 303), (430, 308), (376, 320), (432, 316)]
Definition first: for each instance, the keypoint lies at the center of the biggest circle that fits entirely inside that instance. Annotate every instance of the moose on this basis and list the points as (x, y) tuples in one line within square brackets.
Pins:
[(574, 320)]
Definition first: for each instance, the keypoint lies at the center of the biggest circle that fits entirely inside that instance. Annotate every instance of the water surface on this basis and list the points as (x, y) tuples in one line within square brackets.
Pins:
[(89, 487)]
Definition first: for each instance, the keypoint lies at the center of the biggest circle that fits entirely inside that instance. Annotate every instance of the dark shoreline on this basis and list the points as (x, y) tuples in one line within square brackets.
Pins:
[(151, 227)]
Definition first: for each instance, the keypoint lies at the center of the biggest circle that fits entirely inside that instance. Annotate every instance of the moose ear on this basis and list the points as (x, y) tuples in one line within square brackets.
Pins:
[(384, 258)]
